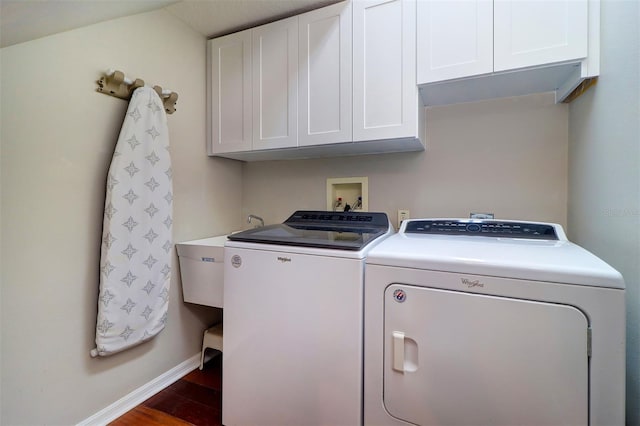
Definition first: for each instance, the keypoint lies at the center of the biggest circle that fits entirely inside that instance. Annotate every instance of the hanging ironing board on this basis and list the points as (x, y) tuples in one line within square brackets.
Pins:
[(135, 265)]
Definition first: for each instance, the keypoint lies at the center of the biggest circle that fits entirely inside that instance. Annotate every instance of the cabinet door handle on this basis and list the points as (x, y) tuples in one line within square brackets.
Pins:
[(398, 351)]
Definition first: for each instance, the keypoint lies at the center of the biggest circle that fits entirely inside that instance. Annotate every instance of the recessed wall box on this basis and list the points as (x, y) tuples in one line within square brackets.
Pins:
[(201, 270), (474, 215), (351, 191)]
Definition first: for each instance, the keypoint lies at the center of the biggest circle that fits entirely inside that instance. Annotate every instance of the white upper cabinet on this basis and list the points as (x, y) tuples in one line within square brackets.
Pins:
[(471, 50), (534, 32), (385, 96), (253, 89), (324, 96), (468, 38), (455, 39), (340, 80), (275, 84), (229, 80)]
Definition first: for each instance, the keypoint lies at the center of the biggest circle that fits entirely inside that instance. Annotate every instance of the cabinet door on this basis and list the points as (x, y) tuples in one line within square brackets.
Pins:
[(275, 84), (529, 32), (455, 39), (384, 69), (324, 108), (230, 93)]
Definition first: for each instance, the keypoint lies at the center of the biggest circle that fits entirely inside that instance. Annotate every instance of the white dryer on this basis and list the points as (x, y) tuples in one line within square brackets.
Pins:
[(491, 323)]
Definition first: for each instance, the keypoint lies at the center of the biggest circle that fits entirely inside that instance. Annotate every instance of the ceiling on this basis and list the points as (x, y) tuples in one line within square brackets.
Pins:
[(25, 20)]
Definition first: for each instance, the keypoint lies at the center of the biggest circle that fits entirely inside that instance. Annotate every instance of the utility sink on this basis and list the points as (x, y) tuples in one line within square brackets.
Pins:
[(202, 270)]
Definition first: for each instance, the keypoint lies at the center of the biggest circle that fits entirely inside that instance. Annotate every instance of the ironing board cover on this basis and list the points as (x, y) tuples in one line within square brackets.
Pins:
[(135, 265)]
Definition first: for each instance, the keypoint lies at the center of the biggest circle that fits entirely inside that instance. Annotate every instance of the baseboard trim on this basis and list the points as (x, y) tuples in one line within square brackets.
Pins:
[(143, 393)]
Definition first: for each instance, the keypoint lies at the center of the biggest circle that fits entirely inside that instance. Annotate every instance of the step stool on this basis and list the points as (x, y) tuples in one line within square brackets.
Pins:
[(212, 339)]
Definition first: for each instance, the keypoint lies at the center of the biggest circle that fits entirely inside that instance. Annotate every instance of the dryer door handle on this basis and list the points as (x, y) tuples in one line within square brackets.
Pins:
[(398, 351), (405, 353)]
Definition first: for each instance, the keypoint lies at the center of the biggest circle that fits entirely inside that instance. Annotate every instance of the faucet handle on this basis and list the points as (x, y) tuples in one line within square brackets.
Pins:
[(252, 216)]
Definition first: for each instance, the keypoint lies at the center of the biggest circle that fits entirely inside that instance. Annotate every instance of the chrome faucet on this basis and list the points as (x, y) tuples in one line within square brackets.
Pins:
[(252, 216)]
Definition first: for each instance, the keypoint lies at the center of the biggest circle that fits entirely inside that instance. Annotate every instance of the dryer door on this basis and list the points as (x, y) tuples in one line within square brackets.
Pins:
[(454, 358)]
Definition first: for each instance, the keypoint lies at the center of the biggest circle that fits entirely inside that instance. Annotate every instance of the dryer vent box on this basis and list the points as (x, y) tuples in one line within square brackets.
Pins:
[(353, 191), (202, 270)]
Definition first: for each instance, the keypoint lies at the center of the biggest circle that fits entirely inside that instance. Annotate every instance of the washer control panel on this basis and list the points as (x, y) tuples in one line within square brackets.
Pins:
[(338, 218), (485, 228)]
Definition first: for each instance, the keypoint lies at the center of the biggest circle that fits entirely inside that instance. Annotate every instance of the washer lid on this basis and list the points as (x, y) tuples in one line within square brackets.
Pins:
[(321, 229), (557, 261)]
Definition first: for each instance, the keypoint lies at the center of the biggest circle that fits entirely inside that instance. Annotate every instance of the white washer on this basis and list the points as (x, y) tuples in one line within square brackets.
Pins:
[(491, 323), (293, 310)]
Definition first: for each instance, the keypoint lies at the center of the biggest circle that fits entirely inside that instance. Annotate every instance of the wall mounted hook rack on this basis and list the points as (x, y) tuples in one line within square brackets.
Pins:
[(115, 83)]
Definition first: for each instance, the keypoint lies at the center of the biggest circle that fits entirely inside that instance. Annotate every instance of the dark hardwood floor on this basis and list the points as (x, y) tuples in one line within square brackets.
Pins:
[(196, 399)]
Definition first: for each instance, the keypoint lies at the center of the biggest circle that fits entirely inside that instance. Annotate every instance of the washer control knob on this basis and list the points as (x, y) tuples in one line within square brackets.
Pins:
[(473, 227)]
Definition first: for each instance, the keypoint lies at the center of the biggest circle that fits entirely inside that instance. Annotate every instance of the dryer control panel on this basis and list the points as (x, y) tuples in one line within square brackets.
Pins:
[(485, 228)]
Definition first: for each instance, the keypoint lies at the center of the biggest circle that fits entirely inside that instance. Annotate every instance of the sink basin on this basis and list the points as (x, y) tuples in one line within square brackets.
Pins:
[(201, 270)]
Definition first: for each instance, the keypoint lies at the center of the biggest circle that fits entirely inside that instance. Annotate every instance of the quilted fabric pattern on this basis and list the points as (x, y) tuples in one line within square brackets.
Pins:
[(135, 265)]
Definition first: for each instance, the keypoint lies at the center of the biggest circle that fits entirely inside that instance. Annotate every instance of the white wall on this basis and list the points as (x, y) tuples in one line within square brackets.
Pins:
[(58, 135), (604, 169), (506, 156)]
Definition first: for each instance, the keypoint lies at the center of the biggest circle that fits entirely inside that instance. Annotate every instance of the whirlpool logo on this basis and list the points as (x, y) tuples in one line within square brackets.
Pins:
[(471, 283), (284, 259)]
